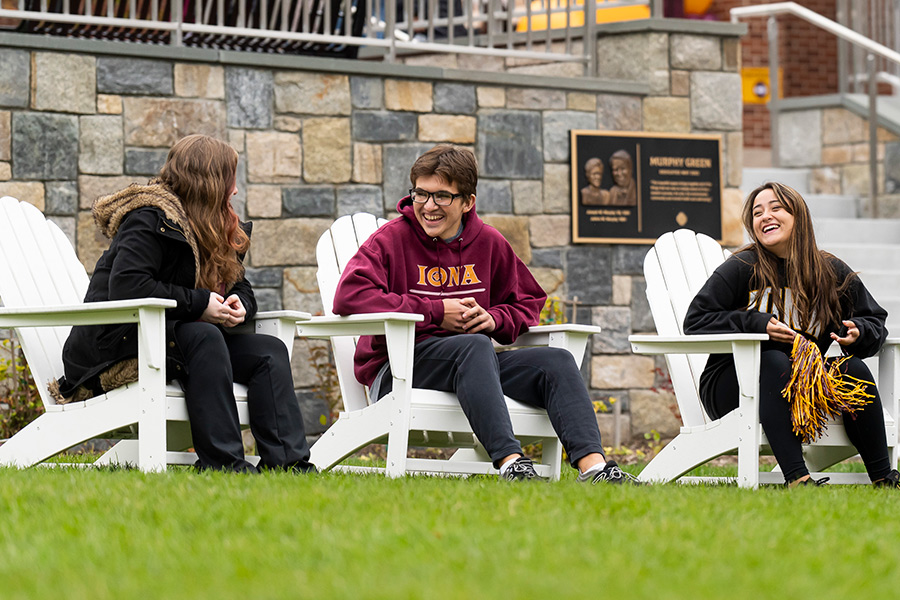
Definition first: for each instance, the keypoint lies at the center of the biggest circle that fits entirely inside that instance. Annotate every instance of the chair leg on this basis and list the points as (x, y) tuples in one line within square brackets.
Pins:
[(552, 455), (351, 432), (690, 450), (54, 432)]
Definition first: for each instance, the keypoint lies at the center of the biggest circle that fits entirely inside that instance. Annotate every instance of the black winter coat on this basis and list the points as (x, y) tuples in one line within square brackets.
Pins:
[(149, 257)]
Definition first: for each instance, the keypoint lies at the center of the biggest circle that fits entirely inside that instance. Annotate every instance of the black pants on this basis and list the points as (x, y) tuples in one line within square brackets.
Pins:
[(865, 428), (214, 360), (547, 378)]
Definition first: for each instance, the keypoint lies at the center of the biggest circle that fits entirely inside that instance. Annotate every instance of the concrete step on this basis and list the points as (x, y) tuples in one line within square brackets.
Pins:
[(756, 176), (857, 231), (832, 206), (868, 257), (881, 284)]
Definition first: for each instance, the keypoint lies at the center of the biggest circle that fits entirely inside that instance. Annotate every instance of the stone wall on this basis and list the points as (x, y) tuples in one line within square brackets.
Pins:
[(319, 138), (833, 142)]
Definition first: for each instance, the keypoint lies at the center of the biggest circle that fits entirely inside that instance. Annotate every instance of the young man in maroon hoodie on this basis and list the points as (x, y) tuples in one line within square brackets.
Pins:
[(440, 260)]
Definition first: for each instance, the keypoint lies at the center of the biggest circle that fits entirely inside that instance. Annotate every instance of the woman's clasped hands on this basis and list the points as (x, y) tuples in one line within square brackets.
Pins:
[(227, 312)]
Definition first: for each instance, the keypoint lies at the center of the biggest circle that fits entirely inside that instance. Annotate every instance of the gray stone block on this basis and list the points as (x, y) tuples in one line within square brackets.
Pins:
[(61, 198), (629, 259), (641, 318), (622, 113), (590, 274), (265, 277), (134, 76), (144, 161), (367, 92), (268, 299), (510, 145), (44, 146), (557, 126), (384, 126), (15, 77), (696, 52), (248, 97), (396, 163), (800, 138), (616, 324), (716, 101), (892, 167), (352, 199), (547, 257), (100, 145), (308, 201), (494, 197), (315, 411), (456, 98)]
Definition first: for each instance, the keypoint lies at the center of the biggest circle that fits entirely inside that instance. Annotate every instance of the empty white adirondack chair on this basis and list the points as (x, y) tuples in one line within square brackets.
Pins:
[(675, 269), (42, 285), (412, 417)]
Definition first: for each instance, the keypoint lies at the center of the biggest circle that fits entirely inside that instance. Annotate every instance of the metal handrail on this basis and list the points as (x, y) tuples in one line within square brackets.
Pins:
[(842, 32), (483, 20)]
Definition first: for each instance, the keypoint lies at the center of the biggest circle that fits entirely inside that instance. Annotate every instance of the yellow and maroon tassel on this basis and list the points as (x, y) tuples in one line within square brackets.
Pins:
[(818, 392)]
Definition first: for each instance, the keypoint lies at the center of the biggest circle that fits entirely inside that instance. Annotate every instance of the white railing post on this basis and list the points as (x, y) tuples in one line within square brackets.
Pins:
[(774, 91), (873, 135)]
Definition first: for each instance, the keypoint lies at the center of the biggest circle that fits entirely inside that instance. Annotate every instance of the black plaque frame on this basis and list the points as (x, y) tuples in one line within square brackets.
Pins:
[(677, 183)]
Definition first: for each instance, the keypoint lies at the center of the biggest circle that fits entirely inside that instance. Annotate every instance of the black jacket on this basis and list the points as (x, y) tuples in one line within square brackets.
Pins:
[(723, 306), (150, 256)]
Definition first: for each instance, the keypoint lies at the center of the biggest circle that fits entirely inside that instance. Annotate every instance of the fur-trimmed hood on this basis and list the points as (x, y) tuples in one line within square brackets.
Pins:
[(109, 211)]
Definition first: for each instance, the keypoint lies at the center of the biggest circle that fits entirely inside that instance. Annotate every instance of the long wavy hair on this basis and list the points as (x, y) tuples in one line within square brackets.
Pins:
[(812, 280), (201, 171)]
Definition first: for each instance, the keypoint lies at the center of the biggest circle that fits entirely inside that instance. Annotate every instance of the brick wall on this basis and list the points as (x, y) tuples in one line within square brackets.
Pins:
[(808, 57)]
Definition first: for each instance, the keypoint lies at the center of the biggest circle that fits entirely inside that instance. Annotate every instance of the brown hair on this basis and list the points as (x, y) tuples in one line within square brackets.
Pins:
[(201, 171), (452, 164), (810, 276)]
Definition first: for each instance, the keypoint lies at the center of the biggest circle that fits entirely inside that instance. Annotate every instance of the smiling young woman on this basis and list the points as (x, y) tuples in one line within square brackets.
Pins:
[(783, 285)]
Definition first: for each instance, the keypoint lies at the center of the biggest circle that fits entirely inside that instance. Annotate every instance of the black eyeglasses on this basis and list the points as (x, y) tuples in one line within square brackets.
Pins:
[(441, 198)]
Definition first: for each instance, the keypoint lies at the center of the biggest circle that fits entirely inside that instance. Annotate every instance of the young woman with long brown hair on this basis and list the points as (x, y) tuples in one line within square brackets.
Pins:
[(178, 237), (783, 285)]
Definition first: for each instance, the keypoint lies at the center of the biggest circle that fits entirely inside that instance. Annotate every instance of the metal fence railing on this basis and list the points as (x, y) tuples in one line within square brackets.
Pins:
[(552, 30), (878, 64)]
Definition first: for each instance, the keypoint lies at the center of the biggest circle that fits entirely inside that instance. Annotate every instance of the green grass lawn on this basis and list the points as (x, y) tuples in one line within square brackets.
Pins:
[(97, 534)]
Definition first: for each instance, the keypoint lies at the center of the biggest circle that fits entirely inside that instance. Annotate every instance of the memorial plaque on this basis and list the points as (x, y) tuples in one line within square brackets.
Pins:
[(630, 188)]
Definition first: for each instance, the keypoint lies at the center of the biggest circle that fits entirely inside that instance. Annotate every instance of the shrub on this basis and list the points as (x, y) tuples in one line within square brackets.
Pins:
[(19, 399)]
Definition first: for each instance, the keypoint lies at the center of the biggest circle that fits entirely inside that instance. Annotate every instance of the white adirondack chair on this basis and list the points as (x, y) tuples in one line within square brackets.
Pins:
[(412, 417), (675, 269), (42, 285)]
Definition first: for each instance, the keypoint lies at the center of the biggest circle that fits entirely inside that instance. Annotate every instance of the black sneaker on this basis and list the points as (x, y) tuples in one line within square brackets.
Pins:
[(810, 481), (892, 480), (611, 473), (521, 469)]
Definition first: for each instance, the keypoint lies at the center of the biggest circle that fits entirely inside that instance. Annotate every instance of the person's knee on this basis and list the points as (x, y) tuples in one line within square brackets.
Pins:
[(855, 367), (775, 365), (201, 337), (478, 347)]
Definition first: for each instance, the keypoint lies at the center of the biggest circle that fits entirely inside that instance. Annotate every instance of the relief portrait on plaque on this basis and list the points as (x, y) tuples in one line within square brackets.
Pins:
[(624, 192), (592, 194), (632, 187)]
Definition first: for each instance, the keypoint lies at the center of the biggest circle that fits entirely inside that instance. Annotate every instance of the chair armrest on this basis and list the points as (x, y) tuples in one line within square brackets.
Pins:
[(713, 343), (278, 323), (87, 313), (399, 330), (571, 337), (744, 346), (148, 313), (354, 325)]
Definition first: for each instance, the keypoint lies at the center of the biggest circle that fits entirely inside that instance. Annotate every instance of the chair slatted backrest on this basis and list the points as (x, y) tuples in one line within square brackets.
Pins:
[(675, 269), (334, 250), (38, 267)]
